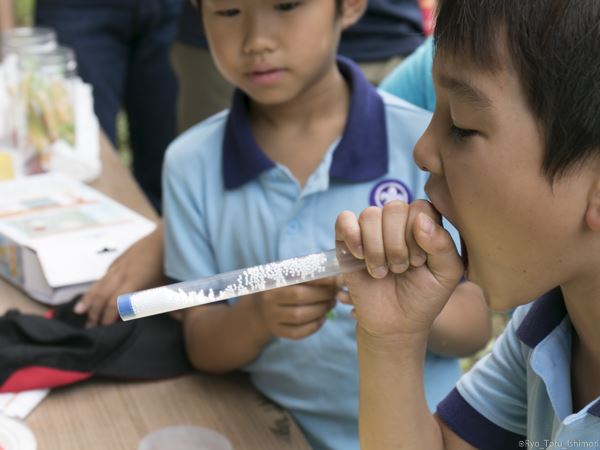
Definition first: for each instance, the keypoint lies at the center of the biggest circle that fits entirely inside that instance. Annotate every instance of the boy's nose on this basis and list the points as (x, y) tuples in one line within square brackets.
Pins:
[(258, 37), (426, 152)]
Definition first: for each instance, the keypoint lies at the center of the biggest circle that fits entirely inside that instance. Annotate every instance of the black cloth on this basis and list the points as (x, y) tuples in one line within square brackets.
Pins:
[(36, 351)]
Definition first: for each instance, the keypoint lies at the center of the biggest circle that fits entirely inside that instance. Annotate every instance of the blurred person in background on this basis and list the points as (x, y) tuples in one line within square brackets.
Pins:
[(389, 31), (122, 49), (7, 15)]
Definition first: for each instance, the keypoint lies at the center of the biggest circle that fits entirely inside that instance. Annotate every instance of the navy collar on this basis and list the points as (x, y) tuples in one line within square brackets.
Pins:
[(546, 313), (361, 155)]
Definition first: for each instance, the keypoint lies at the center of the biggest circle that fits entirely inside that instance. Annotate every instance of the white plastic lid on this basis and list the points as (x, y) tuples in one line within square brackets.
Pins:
[(27, 38), (184, 437), (15, 435)]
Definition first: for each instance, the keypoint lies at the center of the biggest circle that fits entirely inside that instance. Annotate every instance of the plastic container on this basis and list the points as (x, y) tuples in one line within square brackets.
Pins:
[(236, 283), (15, 435), (185, 437)]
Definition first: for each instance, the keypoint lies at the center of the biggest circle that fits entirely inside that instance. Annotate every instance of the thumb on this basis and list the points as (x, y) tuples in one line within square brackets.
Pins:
[(442, 258)]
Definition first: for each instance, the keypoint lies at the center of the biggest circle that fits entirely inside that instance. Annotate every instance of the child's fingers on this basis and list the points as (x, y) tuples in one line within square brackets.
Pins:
[(394, 223), (330, 283), (94, 301), (371, 229), (442, 259), (418, 256), (303, 314), (347, 230), (302, 294), (299, 332), (110, 313)]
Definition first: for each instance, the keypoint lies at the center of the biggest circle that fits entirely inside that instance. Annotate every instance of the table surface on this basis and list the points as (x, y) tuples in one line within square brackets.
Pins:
[(102, 415)]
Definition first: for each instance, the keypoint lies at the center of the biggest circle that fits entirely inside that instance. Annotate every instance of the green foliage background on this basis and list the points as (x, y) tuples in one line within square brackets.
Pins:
[(24, 12)]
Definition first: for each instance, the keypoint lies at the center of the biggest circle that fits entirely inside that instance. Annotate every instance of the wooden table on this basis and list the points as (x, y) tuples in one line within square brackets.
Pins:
[(117, 415)]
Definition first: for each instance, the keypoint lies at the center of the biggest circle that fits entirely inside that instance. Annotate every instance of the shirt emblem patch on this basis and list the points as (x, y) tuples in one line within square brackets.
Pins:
[(388, 190)]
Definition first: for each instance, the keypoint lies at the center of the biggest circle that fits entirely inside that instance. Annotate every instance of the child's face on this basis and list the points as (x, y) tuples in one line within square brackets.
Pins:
[(272, 49), (484, 150)]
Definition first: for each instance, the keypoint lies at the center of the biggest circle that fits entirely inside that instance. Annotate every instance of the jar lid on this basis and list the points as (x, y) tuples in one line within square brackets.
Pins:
[(60, 60), (27, 39)]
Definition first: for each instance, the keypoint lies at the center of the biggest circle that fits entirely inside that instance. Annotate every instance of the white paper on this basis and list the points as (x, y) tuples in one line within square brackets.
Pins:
[(20, 404)]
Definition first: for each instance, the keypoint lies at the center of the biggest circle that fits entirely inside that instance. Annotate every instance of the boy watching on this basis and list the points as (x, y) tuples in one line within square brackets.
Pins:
[(306, 136), (513, 152)]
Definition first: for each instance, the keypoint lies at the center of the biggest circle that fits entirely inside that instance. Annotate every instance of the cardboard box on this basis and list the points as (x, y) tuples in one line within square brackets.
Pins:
[(57, 235)]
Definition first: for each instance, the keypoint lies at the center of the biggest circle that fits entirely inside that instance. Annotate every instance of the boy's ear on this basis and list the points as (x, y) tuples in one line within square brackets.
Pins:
[(592, 214), (352, 10)]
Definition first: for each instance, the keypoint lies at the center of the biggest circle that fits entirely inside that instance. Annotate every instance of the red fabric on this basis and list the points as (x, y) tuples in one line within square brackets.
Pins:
[(38, 377)]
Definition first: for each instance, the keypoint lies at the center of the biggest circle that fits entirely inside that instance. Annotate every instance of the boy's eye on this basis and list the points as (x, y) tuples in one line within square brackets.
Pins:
[(461, 133), (227, 12), (286, 6)]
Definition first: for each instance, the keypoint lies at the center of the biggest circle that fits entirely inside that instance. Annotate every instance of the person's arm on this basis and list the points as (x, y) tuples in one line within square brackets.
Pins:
[(243, 328), (464, 325), (393, 412), (7, 15), (139, 267), (220, 338), (395, 310)]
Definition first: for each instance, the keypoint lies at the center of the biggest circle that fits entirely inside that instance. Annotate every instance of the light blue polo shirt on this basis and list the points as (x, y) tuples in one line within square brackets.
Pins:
[(519, 396), (412, 80), (227, 206)]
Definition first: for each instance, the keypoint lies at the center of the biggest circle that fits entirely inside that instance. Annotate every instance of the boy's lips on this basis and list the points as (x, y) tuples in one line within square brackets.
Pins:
[(265, 76)]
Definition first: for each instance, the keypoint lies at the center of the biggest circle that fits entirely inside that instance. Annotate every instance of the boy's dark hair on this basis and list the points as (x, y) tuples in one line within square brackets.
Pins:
[(554, 46)]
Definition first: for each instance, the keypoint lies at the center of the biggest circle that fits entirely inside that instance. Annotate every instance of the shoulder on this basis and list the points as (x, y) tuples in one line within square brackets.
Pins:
[(201, 144), (405, 122), (412, 79), (401, 108)]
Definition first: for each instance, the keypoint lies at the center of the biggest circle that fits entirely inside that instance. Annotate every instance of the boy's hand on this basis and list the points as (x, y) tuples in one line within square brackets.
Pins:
[(140, 267), (296, 312), (396, 298)]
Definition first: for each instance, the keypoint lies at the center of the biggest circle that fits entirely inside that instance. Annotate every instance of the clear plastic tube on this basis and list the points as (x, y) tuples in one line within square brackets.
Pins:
[(237, 283)]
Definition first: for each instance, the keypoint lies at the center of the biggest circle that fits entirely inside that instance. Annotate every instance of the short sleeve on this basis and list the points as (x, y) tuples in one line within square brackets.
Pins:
[(412, 79), (488, 407), (188, 254)]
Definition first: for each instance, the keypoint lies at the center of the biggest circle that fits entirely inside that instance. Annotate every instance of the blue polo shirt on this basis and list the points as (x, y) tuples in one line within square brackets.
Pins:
[(412, 79), (228, 206), (519, 396)]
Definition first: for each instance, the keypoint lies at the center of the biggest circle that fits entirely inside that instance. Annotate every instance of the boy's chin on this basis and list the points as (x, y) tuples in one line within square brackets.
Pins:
[(499, 300), (269, 97)]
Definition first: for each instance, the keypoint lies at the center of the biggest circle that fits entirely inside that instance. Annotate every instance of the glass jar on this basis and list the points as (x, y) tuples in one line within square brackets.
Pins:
[(58, 62), (13, 43), (47, 104), (39, 106), (29, 39)]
